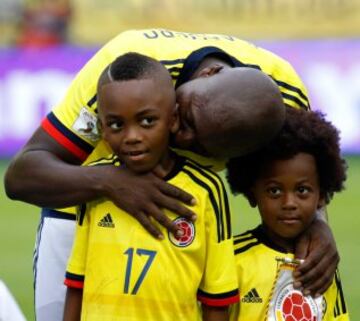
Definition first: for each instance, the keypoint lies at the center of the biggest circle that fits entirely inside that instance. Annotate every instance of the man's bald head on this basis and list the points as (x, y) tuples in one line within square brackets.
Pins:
[(233, 111)]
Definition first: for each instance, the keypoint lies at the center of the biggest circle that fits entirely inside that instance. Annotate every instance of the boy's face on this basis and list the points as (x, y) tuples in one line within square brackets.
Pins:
[(137, 117), (287, 194)]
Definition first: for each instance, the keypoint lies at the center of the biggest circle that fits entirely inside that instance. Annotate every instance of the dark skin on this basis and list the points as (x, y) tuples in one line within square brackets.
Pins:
[(58, 181), (73, 301), (47, 159)]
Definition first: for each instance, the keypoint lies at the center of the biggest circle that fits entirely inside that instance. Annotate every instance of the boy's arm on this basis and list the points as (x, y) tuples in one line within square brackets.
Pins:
[(317, 246), (215, 313), (219, 285), (73, 302)]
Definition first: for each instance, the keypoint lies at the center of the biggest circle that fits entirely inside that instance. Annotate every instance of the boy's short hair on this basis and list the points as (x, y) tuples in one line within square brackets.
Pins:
[(131, 66), (303, 131)]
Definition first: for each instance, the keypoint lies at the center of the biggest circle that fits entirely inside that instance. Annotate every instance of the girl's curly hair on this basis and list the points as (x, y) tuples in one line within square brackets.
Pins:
[(303, 132)]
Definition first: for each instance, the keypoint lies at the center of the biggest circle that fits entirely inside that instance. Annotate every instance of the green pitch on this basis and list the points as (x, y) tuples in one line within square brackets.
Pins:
[(19, 222)]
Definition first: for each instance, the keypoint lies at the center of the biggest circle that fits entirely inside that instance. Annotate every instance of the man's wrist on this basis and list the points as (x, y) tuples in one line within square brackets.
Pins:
[(99, 182)]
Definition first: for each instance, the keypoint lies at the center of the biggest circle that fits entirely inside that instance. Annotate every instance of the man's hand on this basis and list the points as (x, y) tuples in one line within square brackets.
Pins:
[(57, 180), (317, 246), (144, 196)]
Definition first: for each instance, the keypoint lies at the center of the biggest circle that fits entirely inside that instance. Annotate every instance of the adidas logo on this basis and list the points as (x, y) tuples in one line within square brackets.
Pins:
[(106, 221), (252, 297)]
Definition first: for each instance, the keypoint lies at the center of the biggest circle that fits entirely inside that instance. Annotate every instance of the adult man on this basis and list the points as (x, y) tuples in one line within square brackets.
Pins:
[(204, 76)]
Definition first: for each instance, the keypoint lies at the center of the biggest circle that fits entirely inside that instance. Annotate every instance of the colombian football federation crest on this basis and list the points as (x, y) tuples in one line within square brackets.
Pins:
[(289, 304), (188, 233)]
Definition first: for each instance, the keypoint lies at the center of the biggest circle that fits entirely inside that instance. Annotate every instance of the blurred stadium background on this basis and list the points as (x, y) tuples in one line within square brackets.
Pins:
[(43, 44)]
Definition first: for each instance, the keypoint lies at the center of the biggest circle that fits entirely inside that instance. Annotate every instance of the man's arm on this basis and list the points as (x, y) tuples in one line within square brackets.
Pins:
[(317, 246), (73, 303), (45, 174)]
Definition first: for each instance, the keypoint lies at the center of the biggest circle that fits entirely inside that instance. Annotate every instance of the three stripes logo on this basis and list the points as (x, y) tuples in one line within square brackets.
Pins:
[(252, 297), (106, 221)]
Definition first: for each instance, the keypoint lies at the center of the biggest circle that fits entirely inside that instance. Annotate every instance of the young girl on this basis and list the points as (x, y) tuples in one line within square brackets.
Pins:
[(288, 180)]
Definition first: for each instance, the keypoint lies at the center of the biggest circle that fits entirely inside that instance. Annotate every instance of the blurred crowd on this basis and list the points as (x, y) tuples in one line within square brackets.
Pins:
[(39, 23), (36, 23)]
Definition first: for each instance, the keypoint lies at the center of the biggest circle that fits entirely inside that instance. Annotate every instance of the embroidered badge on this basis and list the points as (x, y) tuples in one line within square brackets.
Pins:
[(187, 233), (289, 304)]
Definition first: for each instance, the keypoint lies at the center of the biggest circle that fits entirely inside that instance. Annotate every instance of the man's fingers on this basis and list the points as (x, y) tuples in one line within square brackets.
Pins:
[(310, 265), (160, 217), (176, 207), (176, 193), (316, 273), (319, 286), (149, 226)]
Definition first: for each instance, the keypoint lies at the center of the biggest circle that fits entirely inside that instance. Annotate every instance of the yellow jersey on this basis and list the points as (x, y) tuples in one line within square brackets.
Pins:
[(73, 122), (256, 264), (126, 274)]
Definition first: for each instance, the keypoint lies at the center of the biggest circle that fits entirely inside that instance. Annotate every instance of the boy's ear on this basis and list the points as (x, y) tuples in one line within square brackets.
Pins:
[(175, 120), (210, 71)]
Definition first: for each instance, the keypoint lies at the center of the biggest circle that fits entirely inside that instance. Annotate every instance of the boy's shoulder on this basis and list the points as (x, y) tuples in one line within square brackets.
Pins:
[(211, 163), (189, 171), (110, 159)]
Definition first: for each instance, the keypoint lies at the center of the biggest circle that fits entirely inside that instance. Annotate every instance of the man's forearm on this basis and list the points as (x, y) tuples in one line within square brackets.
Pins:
[(40, 178)]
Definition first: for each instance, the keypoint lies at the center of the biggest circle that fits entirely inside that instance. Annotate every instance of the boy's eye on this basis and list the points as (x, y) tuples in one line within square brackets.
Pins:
[(115, 125)]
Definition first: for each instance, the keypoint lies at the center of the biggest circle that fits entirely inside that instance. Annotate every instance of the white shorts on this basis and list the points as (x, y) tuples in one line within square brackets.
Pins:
[(52, 249)]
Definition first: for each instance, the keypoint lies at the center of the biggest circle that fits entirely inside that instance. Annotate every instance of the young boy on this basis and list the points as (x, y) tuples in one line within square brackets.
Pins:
[(117, 271), (288, 180)]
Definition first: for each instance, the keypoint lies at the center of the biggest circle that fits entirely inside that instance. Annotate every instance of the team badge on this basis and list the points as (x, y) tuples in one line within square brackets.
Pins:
[(289, 304), (86, 125), (188, 233)]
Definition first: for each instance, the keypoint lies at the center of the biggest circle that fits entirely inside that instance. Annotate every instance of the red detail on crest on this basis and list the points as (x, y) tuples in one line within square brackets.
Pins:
[(296, 308), (188, 233)]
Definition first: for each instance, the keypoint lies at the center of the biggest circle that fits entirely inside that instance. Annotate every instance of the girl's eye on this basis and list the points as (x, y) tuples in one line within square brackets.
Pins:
[(147, 121), (274, 191), (303, 189)]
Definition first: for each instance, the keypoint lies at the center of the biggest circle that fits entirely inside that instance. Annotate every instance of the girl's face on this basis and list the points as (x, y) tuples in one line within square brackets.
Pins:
[(287, 194)]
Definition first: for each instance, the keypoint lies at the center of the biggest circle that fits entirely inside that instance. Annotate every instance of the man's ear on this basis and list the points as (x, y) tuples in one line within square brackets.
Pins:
[(175, 120), (184, 137), (210, 70)]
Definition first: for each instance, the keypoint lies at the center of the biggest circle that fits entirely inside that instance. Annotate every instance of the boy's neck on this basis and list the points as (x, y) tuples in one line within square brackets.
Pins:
[(287, 244), (166, 165)]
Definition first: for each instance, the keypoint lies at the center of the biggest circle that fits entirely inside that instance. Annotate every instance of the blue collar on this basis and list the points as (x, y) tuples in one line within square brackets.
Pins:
[(193, 61)]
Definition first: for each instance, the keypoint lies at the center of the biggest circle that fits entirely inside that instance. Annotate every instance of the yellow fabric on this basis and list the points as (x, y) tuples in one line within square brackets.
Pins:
[(172, 48), (169, 47), (256, 269), (174, 274)]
